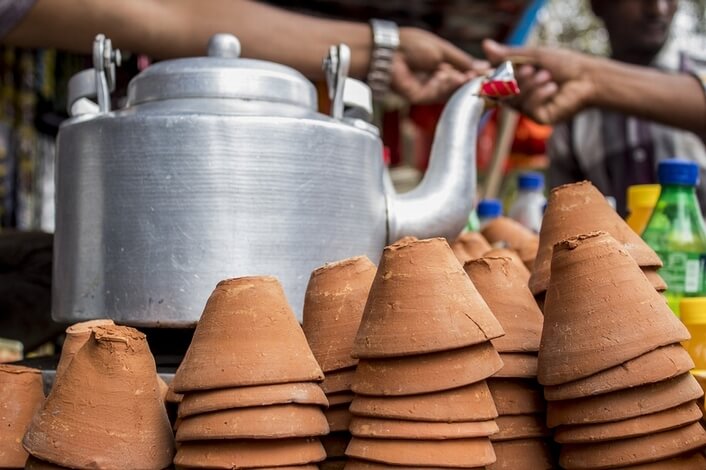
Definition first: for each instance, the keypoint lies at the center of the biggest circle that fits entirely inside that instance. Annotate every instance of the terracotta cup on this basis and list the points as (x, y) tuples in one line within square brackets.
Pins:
[(470, 403), (303, 393), (625, 404), (21, 395), (474, 452), (573, 209), (502, 285), (508, 253), (655, 366), (655, 279), (259, 422), (690, 461), (412, 375), (518, 366), (247, 335), (338, 417), (470, 245), (633, 427), (517, 396), (601, 309), (354, 464), (36, 464), (76, 336), (249, 453), (422, 301), (333, 306), (512, 234), (93, 417), (338, 381), (397, 429), (522, 454), (520, 427), (638, 450), (332, 464)]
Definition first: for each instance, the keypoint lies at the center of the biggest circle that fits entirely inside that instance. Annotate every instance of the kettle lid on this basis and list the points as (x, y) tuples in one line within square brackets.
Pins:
[(222, 74)]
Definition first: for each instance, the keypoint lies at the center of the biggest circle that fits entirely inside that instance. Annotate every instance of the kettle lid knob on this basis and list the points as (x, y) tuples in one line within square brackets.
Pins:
[(224, 45)]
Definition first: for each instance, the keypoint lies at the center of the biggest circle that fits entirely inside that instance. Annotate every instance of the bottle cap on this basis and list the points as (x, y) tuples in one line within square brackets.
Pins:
[(489, 208), (643, 196), (678, 171), (692, 310), (530, 180)]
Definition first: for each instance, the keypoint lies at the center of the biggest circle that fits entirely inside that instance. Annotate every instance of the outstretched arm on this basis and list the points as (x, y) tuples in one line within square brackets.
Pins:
[(557, 83), (426, 67)]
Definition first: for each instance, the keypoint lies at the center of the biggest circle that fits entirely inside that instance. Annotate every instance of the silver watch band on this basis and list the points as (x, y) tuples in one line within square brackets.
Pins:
[(386, 40)]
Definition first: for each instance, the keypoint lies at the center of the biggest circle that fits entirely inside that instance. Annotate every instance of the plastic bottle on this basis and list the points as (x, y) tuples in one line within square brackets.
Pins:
[(642, 199), (693, 315), (487, 210), (677, 233), (528, 208)]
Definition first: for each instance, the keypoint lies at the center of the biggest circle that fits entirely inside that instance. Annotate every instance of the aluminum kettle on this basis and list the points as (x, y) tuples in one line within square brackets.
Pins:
[(219, 167)]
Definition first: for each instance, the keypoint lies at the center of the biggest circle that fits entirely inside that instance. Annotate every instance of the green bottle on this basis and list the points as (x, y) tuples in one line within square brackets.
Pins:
[(677, 233)]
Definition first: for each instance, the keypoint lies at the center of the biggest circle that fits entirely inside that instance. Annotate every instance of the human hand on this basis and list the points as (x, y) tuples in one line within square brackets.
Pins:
[(554, 84), (428, 69)]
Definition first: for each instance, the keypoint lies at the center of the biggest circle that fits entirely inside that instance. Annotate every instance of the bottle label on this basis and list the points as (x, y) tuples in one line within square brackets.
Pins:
[(683, 272)]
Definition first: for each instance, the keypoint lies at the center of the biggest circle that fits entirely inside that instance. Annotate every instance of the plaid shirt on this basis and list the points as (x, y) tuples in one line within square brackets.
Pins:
[(614, 151)]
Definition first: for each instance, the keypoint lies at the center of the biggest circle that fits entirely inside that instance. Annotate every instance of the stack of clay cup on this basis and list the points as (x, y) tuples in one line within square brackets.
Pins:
[(250, 384), (504, 232), (523, 440), (333, 306), (616, 378), (21, 395), (105, 409), (424, 353), (579, 208)]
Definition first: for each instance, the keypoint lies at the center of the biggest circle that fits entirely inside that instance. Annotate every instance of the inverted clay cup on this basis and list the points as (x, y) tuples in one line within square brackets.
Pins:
[(577, 208), (21, 395), (247, 335), (425, 373), (655, 366), (333, 306), (655, 279), (249, 453), (600, 311), (259, 422), (638, 450), (514, 235), (76, 336), (470, 403), (422, 301), (517, 454), (303, 393), (502, 286), (470, 245), (105, 411), (398, 429)]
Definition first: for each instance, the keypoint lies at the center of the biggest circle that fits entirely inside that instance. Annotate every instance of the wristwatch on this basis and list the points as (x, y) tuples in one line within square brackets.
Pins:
[(386, 40)]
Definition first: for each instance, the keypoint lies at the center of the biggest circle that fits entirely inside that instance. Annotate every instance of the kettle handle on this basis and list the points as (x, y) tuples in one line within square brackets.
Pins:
[(336, 65), (97, 82)]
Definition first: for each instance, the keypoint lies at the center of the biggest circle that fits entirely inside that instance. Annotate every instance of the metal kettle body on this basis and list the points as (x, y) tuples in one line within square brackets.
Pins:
[(159, 201)]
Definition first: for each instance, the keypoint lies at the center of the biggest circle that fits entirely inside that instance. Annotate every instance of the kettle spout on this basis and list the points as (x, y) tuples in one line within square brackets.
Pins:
[(440, 204)]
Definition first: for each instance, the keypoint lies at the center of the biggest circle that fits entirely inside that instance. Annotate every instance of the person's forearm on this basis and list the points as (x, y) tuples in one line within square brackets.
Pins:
[(179, 28), (673, 99)]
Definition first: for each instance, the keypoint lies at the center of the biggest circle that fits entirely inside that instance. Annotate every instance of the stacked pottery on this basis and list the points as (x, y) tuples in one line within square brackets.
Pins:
[(77, 335), (579, 208), (522, 442), (506, 232), (616, 378), (21, 395), (470, 245), (251, 397), (333, 306), (425, 352), (105, 410)]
